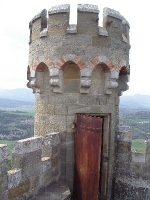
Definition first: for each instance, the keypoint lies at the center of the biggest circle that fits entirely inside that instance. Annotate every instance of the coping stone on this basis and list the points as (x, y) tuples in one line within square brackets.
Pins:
[(64, 8), (88, 8)]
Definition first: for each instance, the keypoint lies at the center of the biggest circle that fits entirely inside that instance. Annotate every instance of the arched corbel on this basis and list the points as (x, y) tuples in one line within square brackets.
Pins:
[(35, 82), (123, 83), (110, 81), (85, 80), (124, 76), (56, 79)]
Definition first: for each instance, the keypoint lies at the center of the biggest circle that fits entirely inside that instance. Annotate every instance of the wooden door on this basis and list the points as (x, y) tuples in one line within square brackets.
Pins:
[(88, 141)]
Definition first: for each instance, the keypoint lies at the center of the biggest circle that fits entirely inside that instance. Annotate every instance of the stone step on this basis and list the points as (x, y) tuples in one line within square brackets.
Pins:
[(56, 191)]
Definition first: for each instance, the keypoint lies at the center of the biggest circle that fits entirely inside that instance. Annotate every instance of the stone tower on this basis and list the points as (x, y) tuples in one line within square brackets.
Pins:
[(79, 69)]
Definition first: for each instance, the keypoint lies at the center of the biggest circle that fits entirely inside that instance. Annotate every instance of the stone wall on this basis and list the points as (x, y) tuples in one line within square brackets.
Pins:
[(132, 170), (35, 166)]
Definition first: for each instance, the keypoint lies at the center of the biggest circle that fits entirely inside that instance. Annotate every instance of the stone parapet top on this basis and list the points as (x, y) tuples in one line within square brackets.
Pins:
[(124, 136), (88, 8), (27, 145), (113, 13), (3, 152), (64, 8), (42, 14)]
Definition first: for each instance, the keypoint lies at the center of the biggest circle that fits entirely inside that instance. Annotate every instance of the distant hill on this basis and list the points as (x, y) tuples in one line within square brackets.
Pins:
[(25, 97), (22, 94), (8, 103), (135, 103)]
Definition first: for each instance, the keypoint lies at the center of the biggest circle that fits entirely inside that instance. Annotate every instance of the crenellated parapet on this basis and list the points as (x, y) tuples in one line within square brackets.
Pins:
[(35, 166), (87, 22), (54, 43), (132, 179)]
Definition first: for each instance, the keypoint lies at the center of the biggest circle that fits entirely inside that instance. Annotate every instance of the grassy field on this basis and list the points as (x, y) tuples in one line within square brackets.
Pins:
[(138, 145), (9, 143)]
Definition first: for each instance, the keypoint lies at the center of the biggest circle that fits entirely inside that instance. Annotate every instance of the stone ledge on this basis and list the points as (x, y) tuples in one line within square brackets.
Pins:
[(88, 8), (113, 13), (64, 8), (42, 14)]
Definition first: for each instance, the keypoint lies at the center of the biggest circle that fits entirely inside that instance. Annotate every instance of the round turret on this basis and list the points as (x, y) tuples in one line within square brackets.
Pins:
[(79, 69)]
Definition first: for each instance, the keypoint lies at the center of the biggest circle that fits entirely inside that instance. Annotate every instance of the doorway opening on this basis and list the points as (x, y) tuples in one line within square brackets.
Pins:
[(91, 156)]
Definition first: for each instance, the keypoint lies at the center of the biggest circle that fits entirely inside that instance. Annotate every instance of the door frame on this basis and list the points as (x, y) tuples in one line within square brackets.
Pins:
[(105, 152)]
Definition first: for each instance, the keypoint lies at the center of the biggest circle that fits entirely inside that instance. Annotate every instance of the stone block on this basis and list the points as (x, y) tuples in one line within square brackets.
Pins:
[(34, 183), (55, 173), (62, 138), (64, 99), (124, 136), (27, 145), (3, 168), (123, 159), (3, 152), (92, 100), (60, 109), (46, 178), (69, 171), (3, 184), (138, 157), (44, 109), (55, 161), (45, 164), (52, 139), (17, 161), (21, 189), (31, 170), (57, 123), (63, 153), (14, 178), (71, 86), (32, 158), (70, 123), (101, 41), (72, 109), (70, 184), (69, 137), (87, 21), (124, 147), (70, 152), (57, 23), (63, 171), (4, 195)]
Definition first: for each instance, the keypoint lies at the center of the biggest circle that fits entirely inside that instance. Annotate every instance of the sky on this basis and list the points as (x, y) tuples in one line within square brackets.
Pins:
[(14, 36)]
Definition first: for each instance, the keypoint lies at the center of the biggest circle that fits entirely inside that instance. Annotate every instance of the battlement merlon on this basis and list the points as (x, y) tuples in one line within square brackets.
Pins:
[(38, 24), (109, 17), (87, 23)]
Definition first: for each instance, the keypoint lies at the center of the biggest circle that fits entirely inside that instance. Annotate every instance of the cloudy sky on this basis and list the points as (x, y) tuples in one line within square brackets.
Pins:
[(14, 34)]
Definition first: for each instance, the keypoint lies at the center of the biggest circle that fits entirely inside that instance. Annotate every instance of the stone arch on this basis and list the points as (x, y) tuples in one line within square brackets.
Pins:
[(35, 75), (71, 77), (124, 72), (28, 70), (105, 63), (70, 57), (123, 68), (41, 67), (42, 59), (97, 80)]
